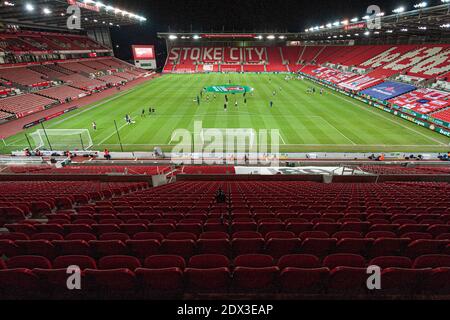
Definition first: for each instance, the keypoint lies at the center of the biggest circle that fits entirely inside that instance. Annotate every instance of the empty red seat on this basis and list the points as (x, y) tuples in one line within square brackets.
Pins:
[(253, 261), (299, 227), (408, 228), (437, 281), (103, 248), (254, 279), (422, 247), (417, 235), (347, 234), (50, 228), (143, 248), (432, 261), (391, 262), (362, 227), (119, 262), (404, 281), (208, 261), (164, 261), (353, 245), (246, 246), (77, 228), (184, 248), (18, 283), (28, 262), (148, 236), (381, 234), (163, 228), (329, 227), (247, 235), (181, 236), (214, 235), (132, 228), (388, 246), (47, 236), (438, 229), (243, 226), (113, 282), (319, 247), (81, 236), (25, 228), (310, 280), (106, 228), (13, 236), (301, 261), (276, 247), (280, 235), (314, 235), (344, 260), (161, 280), (194, 228), (72, 247), (214, 246), (267, 227), (348, 280), (36, 247), (210, 279), (83, 262)]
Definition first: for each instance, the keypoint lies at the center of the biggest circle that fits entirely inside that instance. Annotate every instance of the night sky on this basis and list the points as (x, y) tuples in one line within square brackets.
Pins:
[(234, 15)]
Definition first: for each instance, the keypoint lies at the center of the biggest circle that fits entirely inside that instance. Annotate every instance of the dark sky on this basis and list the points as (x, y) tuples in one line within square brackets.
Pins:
[(235, 15)]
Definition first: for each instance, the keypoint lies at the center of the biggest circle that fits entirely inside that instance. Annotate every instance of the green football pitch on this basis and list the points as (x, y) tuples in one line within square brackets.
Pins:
[(306, 122)]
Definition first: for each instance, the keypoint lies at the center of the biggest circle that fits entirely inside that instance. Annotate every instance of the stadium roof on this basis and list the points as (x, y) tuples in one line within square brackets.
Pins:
[(427, 24), (52, 14)]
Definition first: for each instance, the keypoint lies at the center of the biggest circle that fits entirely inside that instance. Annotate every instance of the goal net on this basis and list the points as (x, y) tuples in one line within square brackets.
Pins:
[(62, 139)]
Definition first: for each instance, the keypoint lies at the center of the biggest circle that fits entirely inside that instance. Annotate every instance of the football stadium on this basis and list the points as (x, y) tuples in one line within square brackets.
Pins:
[(152, 151)]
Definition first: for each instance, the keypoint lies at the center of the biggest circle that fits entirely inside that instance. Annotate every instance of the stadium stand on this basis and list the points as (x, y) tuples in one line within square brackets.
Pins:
[(61, 93), (291, 237), (423, 100), (81, 82), (25, 104), (25, 77)]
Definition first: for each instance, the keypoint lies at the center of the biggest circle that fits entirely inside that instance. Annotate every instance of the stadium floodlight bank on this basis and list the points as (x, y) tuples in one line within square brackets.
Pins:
[(62, 139)]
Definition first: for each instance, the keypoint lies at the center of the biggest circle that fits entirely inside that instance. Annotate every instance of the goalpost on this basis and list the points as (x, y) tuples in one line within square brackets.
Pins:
[(62, 139)]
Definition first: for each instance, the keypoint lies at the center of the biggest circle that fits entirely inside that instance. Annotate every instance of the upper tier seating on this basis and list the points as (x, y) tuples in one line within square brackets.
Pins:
[(78, 67), (48, 72), (82, 82), (24, 76), (36, 41)]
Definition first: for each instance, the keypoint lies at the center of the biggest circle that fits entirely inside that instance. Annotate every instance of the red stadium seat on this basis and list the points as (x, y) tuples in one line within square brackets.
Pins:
[(310, 280), (119, 262), (28, 262), (253, 261), (254, 279), (391, 262), (343, 260), (348, 280), (83, 262), (302, 261)]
